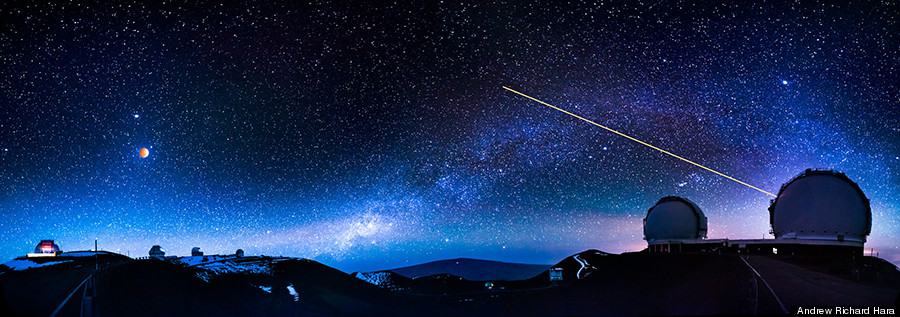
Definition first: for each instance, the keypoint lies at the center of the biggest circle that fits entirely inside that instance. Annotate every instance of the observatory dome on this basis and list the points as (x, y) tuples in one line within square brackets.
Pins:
[(674, 218), (47, 247), (822, 205)]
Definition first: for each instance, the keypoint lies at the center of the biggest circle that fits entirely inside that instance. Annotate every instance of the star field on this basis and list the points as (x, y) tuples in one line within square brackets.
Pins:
[(372, 136)]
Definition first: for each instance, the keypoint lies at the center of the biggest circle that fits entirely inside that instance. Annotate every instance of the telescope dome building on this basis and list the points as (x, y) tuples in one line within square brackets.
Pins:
[(817, 214), (821, 205), (673, 220)]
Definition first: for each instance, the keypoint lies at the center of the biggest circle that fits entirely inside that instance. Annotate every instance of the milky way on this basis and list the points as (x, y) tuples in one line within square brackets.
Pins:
[(373, 136)]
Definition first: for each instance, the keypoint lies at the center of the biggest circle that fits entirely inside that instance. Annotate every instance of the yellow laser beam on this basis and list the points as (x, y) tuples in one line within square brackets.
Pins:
[(639, 141)]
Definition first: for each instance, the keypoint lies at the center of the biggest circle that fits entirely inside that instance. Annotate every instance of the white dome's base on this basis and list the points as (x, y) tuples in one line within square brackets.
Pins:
[(779, 247)]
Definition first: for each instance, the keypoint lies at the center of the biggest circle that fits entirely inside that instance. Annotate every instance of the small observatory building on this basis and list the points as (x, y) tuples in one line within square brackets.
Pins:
[(672, 222), (157, 252), (45, 248)]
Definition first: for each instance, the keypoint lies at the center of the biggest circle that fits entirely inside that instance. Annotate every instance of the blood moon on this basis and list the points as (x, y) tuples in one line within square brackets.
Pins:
[(144, 152)]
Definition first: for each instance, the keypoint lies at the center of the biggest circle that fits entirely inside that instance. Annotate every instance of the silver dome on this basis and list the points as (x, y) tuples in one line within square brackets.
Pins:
[(674, 218), (822, 205)]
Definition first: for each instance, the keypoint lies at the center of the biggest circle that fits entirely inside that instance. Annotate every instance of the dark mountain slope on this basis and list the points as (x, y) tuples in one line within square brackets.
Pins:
[(473, 269)]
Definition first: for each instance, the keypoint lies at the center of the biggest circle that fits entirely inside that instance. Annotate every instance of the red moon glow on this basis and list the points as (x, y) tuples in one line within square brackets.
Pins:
[(144, 152)]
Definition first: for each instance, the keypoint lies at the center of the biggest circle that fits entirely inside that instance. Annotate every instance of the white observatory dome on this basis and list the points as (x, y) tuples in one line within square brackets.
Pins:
[(674, 218), (821, 205)]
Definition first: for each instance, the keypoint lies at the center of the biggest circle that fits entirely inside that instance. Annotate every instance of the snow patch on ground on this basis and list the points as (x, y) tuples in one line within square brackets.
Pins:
[(200, 259), (267, 289), (231, 267), (293, 292), (213, 265), (377, 278), (218, 264), (205, 276), (21, 265), (81, 254), (380, 279)]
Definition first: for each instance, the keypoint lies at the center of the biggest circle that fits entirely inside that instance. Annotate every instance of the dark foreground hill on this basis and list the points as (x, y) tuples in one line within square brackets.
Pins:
[(593, 283)]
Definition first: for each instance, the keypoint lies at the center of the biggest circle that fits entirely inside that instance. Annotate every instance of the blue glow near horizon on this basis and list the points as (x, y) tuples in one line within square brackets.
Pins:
[(366, 147)]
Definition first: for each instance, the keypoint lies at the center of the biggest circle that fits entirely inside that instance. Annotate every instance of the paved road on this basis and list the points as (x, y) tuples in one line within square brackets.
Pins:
[(72, 304), (796, 286), (53, 286)]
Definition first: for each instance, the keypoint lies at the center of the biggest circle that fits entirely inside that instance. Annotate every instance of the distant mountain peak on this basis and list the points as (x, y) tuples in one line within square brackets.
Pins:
[(473, 269)]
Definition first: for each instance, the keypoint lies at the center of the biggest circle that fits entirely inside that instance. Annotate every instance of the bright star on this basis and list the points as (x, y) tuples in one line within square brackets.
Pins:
[(784, 82), (137, 116)]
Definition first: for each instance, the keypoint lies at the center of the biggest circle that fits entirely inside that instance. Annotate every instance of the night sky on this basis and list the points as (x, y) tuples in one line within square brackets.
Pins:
[(374, 136)]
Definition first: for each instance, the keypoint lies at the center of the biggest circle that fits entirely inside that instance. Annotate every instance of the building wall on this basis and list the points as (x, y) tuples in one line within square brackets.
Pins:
[(774, 247)]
